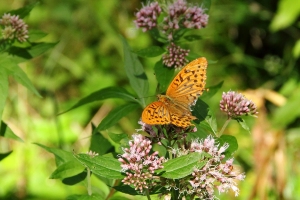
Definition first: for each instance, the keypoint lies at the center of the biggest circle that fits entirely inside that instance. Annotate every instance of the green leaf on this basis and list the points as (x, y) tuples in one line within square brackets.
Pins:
[(163, 75), (105, 166), (24, 11), (75, 179), (212, 122), (206, 5), (100, 144), (35, 35), (135, 72), (61, 156), (151, 51), (39, 48), (287, 13), (116, 114), (243, 124), (182, 166), (126, 189), (4, 155), (16, 72), (296, 49), (6, 132), (233, 144), (109, 92), (192, 38), (200, 111), (212, 90), (67, 169), (3, 87), (117, 137), (85, 197)]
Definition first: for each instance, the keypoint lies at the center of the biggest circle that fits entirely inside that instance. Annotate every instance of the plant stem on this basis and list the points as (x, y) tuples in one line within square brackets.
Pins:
[(89, 186), (224, 126), (148, 195)]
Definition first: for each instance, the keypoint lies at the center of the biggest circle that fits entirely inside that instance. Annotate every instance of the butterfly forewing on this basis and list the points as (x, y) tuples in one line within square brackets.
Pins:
[(189, 83)]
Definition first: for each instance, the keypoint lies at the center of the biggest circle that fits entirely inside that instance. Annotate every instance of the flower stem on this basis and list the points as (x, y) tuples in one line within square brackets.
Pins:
[(89, 186), (148, 195), (224, 126)]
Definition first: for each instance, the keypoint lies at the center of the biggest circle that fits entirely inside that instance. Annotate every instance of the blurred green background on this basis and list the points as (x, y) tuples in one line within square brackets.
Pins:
[(256, 46)]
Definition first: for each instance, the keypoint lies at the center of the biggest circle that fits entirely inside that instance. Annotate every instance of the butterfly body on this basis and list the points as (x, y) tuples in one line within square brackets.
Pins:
[(183, 92)]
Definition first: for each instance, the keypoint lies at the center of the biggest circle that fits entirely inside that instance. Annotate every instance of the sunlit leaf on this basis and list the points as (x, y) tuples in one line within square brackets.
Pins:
[(24, 11), (40, 48), (105, 166), (67, 169), (35, 35), (6, 132), (116, 114), (61, 156), (182, 166)]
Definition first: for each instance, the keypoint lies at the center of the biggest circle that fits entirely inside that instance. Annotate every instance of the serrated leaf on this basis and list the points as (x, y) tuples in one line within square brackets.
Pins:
[(163, 75), (105, 166), (61, 156), (151, 51), (135, 72), (67, 169), (200, 111), (4, 155), (117, 137), (212, 90), (6, 132), (115, 115), (233, 144), (100, 144), (182, 166), (3, 87), (24, 11), (75, 179), (85, 197), (105, 93)]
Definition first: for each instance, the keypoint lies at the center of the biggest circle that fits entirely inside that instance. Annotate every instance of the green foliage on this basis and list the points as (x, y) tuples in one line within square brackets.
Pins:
[(182, 166)]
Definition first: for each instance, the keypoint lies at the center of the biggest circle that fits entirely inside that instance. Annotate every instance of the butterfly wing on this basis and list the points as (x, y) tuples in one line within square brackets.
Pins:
[(156, 113), (189, 83)]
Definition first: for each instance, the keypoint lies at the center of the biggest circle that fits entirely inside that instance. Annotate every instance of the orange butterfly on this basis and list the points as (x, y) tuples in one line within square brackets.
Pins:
[(183, 92)]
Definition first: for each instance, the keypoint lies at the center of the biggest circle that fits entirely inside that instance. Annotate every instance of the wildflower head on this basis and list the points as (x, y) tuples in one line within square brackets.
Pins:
[(14, 28), (175, 56), (146, 18), (216, 173), (139, 164), (236, 105)]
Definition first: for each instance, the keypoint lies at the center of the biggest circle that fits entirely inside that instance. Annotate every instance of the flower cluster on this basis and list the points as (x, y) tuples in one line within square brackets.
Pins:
[(14, 28), (139, 164), (216, 173), (236, 105), (175, 56), (146, 18)]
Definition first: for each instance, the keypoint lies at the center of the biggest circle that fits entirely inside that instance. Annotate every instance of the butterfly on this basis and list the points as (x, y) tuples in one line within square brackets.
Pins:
[(182, 93)]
